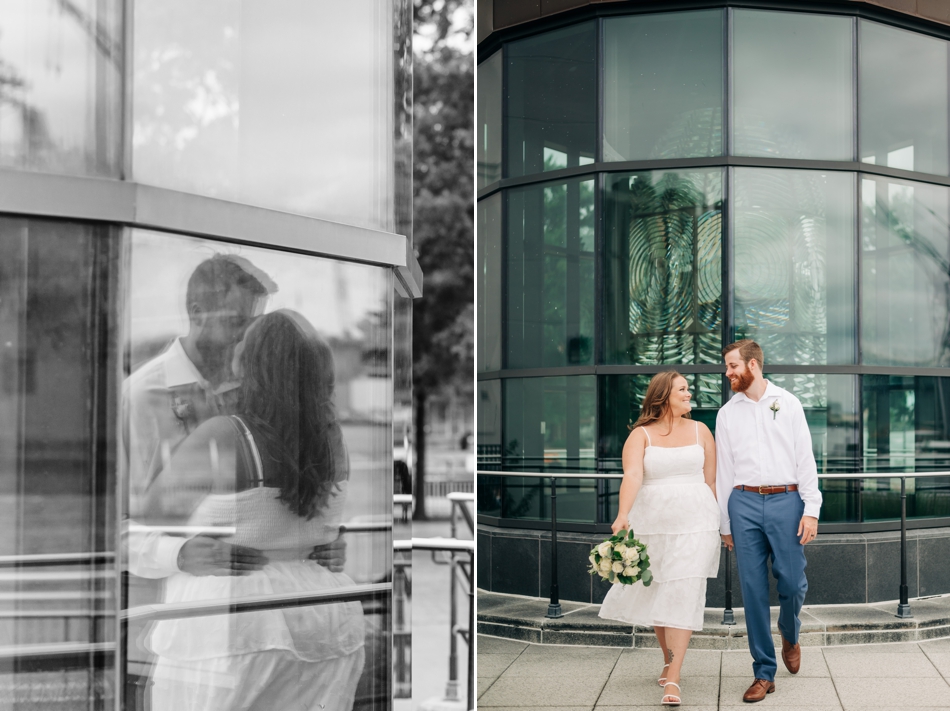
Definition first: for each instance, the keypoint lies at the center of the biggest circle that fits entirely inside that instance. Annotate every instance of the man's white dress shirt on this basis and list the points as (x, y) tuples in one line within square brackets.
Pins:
[(764, 443)]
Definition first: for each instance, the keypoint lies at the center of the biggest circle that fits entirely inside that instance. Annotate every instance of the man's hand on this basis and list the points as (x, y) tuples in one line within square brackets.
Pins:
[(332, 556), (808, 529), (727, 539), (204, 555)]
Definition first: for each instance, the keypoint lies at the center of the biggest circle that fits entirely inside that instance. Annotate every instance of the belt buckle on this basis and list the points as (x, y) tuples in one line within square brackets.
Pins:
[(762, 490)]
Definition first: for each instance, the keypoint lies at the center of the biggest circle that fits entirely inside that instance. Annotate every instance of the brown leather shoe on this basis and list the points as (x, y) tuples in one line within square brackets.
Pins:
[(758, 690), (791, 655)]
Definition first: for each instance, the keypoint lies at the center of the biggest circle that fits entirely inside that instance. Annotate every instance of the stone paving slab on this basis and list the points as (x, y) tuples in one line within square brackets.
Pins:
[(858, 665), (649, 664), (793, 692), (621, 690), (739, 664), (549, 691), (918, 693)]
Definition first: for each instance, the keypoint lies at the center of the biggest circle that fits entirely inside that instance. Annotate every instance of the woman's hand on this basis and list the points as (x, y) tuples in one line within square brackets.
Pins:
[(619, 524)]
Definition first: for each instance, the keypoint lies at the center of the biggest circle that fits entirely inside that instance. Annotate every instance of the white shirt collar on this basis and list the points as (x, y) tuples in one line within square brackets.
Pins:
[(179, 370), (771, 390)]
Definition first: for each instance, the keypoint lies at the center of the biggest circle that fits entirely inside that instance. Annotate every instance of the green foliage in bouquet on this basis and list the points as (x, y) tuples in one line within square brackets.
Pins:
[(621, 559)]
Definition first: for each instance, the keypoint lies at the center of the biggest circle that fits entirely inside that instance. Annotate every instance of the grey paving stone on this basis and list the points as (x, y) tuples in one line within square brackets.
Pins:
[(623, 690), (545, 691), (834, 639), (848, 618), (495, 645), (521, 634), (493, 664), (941, 662), (902, 693), (894, 648), (483, 684), (936, 645), (577, 653), (794, 692), (577, 637), (583, 670), (739, 664), (858, 665)]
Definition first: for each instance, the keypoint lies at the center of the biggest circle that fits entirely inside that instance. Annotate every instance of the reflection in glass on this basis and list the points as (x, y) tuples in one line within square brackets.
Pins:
[(905, 280), (489, 439), (903, 93), (551, 101), (529, 498), (257, 419), (906, 429), (488, 137), (61, 86), (663, 268), (663, 86), (402, 117), (792, 89), (794, 264), (488, 309), (549, 423), (286, 104), (550, 275), (57, 486)]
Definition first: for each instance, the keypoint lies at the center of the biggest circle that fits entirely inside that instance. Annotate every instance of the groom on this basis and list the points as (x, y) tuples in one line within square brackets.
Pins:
[(767, 485)]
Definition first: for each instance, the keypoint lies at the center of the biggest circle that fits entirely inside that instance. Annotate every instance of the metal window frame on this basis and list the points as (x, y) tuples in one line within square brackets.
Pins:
[(131, 204)]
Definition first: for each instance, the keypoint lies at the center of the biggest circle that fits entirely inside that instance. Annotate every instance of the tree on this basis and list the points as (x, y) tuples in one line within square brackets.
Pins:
[(442, 326)]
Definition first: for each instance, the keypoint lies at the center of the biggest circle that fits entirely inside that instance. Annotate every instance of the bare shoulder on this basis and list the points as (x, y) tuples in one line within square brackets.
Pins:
[(636, 437)]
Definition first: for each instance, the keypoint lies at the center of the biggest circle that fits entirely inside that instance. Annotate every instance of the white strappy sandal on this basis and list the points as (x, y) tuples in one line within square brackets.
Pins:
[(676, 700), (662, 679)]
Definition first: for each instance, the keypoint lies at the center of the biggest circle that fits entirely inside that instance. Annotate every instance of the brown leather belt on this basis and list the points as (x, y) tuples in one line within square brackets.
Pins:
[(764, 490)]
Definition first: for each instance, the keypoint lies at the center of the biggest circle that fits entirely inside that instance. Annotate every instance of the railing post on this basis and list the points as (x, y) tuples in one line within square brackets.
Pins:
[(452, 687), (554, 607), (728, 616), (903, 608), (471, 632)]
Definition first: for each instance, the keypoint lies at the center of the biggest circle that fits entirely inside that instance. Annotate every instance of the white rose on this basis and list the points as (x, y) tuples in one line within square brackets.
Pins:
[(593, 561), (631, 554), (618, 567), (631, 571), (604, 548), (620, 548), (605, 565)]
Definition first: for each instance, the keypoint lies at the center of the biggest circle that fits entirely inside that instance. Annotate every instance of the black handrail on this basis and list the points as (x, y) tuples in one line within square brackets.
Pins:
[(728, 617)]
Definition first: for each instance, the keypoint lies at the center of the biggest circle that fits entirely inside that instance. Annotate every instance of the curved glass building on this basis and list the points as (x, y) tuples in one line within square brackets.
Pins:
[(169, 171), (656, 182)]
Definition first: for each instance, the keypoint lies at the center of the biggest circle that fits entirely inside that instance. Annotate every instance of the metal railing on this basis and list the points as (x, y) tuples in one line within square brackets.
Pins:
[(554, 605)]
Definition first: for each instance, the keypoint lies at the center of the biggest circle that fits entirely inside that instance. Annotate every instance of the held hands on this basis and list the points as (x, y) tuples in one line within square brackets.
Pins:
[(203, 555), (808, 529), (727, 540), (332, 556)]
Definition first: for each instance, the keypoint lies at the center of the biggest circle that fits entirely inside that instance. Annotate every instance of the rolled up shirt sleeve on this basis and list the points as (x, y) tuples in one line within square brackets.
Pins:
[(805, 467), (152, 554), (725, 472)]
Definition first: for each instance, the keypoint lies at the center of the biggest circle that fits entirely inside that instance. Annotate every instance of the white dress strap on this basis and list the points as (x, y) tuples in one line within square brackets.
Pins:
[(258, 478), (649, 443), (697, 433)]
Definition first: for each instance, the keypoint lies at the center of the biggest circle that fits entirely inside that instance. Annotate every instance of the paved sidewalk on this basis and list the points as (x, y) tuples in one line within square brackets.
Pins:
[(882, 677)]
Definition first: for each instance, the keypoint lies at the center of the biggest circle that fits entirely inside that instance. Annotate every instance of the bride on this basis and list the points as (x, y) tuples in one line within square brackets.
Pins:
[(668, 498), (277, 474)]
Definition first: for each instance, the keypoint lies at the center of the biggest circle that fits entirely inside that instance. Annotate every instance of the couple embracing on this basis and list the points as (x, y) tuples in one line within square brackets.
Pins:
[(755, 487)]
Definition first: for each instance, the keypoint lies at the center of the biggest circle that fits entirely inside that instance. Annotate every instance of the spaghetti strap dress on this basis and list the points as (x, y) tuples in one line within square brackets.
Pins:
[(676, 515)]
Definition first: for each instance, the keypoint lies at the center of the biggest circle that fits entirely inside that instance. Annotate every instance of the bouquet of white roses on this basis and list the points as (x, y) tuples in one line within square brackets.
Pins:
[(622, 559)]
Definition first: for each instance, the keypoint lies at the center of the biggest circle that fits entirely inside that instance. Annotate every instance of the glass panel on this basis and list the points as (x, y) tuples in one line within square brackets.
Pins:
[(297, 350), (552, 101), (488, 139), (792, 91), (663, 86), (549, 423), (488, 310), (58, 360), (550, 289), (286, 104), (906, 429), (61, 106), (402, 118), (488, 439), (905, 281), (903, 93), (402, 484), (794, 264), (663, 268)]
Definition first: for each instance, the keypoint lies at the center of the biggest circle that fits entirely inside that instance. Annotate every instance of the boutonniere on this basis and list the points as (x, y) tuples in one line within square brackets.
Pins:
[(184, 411), (775, 407)]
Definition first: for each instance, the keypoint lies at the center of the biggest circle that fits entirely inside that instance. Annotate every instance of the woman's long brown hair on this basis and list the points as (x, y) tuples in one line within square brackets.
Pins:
[(656, 401)]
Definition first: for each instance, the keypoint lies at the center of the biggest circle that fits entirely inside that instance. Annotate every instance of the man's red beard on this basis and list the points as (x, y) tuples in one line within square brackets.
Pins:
[(742, 382)]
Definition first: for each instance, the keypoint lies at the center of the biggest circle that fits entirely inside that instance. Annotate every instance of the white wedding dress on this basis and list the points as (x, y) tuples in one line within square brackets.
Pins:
[(676, 515)]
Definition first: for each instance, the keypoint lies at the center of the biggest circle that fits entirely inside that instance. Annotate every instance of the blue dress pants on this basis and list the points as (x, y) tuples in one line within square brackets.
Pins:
[(766, 527)]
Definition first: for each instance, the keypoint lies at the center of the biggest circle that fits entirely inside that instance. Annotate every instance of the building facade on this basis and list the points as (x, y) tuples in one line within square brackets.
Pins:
[(139, 141), (657, 180)]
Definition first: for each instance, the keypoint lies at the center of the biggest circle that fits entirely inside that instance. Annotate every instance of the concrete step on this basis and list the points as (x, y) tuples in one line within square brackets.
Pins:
[(523, 618)]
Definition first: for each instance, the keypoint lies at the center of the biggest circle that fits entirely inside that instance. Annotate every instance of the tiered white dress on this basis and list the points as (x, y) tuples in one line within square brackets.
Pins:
[(298, 658), (676, 515)]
